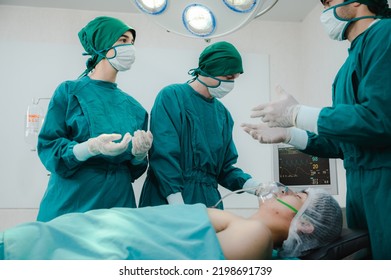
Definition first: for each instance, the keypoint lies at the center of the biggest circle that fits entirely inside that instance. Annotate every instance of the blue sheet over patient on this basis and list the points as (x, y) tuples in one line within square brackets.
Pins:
[(160, 232)]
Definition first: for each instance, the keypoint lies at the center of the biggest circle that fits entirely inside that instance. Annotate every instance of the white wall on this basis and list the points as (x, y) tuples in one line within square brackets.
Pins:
[(301, 58)]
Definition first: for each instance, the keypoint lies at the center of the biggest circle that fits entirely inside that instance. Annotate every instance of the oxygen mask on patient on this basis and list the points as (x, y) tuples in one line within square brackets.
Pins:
[(264, 192)]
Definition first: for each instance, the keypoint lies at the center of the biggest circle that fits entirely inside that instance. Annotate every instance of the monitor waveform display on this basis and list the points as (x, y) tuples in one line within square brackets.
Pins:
[(297, 168)]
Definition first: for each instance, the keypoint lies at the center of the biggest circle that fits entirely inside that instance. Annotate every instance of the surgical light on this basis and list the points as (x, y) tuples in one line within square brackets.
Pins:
[(203, 18), (240, 5), (152, 7), (199, 20)]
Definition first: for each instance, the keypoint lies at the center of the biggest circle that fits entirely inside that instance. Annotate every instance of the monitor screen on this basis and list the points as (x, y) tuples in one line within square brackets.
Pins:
[(299, 171)]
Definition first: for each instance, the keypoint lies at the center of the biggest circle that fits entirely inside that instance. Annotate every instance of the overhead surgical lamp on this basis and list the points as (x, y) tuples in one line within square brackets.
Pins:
[(204, 18)]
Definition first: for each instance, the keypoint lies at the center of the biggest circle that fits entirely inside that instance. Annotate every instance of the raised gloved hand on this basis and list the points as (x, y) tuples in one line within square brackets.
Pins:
[(103, 144), (279, 113), (267, 135), (141, 142)]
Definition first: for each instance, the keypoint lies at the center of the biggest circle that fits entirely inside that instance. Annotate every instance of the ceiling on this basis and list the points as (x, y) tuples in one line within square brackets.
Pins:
[(284, 10)]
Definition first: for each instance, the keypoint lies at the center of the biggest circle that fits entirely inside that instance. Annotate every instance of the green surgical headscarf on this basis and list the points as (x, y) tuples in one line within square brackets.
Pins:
[(219, 59), (98, 36)]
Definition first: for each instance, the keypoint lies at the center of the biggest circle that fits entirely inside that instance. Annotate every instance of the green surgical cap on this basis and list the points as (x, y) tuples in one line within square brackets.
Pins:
[(220, 59), (100, 34)]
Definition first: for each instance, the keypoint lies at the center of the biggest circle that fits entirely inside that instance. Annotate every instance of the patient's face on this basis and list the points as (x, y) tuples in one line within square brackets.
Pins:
[(285, 208)]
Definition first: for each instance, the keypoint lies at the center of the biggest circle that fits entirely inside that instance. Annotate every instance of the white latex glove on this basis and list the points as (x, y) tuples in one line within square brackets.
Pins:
[(267, 135), (141, 142), (270, 135), (103, 144), (250, 185), (281, 113)]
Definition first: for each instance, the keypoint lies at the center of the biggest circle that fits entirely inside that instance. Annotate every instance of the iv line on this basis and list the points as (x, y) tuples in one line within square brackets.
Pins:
[(36, 101)]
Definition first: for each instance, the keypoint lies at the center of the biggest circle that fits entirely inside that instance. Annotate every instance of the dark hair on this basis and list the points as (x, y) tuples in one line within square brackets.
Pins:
[(378, 7)]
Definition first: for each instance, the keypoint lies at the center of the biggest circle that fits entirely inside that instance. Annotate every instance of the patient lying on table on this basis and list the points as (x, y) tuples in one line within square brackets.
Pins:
[(293, 222)]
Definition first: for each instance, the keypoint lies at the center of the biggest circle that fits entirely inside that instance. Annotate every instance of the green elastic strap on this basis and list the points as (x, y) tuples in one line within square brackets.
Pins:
[(287, 205)]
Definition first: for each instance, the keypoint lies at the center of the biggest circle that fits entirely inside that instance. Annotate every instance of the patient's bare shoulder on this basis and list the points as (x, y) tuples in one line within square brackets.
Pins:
[(241, 238), (220, 219)]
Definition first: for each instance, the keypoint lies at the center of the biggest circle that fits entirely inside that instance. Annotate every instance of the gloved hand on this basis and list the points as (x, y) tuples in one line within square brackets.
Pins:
[(141, 142), (279, 113), (103, 144), (250, 186), (267, 135)]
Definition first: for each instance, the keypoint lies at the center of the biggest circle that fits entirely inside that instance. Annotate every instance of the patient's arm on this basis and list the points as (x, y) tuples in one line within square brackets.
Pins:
[(241, 238)]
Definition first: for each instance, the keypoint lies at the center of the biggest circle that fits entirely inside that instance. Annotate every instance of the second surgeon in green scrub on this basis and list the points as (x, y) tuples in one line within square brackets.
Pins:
[(357, 127), (94, 140), (193, 149)]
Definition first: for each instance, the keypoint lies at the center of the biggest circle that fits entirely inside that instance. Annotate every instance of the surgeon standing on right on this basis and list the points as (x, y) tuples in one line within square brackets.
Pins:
[(357, 128)]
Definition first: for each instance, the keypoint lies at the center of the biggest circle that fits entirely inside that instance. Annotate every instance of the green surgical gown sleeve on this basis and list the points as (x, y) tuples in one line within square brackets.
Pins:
[(231, 177), (55, 143), (165, 154), (323, 147)]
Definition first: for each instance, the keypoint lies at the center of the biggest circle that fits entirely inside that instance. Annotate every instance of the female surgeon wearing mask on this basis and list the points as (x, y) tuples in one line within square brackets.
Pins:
[(193, 149), (80, 142)]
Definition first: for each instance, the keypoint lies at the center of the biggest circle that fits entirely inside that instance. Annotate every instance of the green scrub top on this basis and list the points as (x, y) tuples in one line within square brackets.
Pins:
[(357, 128), (193, 150), (79, 110), (167, 232)]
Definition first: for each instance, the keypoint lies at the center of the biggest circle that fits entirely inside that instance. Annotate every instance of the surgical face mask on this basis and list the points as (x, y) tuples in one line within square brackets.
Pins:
[(222, 89), (333, 24), (123, 58)]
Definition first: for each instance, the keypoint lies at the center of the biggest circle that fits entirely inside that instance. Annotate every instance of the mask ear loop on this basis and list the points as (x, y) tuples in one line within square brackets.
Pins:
[(202, 73), (193, 72), (91, 60)]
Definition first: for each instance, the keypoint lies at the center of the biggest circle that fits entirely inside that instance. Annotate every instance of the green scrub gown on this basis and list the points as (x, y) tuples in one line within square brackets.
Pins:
[(79, 110), (167, 232), (193, 150), (357, 128)]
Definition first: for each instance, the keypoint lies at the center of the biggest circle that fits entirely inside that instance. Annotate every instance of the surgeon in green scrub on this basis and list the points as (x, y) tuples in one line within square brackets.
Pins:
[(357, 127), (94, 139), (193, 148)]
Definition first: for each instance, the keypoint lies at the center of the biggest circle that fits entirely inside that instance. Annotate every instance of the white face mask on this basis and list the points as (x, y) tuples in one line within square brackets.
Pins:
[(223, 89), (124, 57), (333, 25)]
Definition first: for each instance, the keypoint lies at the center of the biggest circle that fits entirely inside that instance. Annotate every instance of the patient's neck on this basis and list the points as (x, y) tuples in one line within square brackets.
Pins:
[(278, 226)]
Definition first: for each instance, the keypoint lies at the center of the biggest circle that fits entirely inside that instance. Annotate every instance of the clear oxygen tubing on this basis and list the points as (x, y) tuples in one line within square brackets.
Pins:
[(263, 191)]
